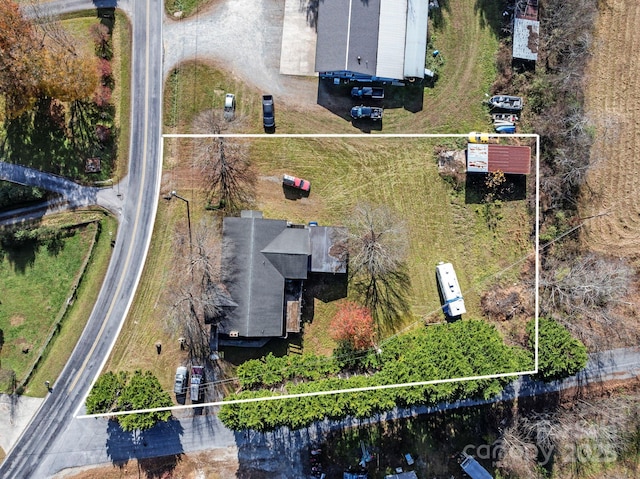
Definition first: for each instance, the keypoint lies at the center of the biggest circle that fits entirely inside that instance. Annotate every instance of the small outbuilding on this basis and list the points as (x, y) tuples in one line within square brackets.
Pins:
[(490, 158), (526, 30)]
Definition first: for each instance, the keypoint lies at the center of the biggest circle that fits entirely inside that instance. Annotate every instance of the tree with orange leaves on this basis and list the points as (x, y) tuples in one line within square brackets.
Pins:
[(40, 60), (20, 61), (353, 324)]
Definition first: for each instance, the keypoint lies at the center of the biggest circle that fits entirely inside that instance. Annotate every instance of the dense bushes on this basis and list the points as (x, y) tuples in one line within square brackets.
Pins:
[(560, 354), (124, 392), (271, 370), (457, 350)]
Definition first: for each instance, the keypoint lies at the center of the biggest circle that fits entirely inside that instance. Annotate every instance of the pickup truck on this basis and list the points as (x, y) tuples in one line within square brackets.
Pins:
[(197, 378), (372, 112), (376, 93), (295, 182), (268, 112)]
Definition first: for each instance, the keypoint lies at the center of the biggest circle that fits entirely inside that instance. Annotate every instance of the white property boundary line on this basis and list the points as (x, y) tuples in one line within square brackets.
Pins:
[(385, 386)]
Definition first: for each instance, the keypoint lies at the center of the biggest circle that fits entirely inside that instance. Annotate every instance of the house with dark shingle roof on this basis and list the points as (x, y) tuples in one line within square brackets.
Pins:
[(265, 264), (372, 40)]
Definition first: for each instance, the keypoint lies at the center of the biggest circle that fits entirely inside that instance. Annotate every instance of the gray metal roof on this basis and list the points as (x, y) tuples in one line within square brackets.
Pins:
[(347, 30), (525, 39), (382, 38), (328, 249)]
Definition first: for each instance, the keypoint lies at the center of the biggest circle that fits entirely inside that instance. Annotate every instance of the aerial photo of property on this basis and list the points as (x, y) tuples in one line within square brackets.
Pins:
[(319, 239)]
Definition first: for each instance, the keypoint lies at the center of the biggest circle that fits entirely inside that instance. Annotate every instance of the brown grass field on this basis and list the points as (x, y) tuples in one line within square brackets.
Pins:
[(613, 105)]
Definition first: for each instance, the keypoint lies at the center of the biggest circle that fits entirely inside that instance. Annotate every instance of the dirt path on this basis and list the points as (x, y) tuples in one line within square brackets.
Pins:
[(613, 105)]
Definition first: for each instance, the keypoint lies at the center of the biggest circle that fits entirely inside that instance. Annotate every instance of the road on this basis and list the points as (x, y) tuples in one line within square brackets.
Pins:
[(93, 441), (72, 195), (30, 456)]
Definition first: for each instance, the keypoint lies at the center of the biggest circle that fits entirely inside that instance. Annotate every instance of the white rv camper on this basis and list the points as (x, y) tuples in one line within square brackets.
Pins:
[(448, 281)]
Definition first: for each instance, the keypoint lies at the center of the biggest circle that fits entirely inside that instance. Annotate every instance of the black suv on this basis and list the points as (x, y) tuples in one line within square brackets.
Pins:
[(268, 112)]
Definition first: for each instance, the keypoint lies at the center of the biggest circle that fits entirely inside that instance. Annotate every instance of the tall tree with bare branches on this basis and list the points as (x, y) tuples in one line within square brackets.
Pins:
[(198, 295), (225, 166), (378, 248)]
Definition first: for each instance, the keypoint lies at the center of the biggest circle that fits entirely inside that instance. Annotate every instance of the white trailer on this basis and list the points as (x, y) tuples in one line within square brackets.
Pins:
[(448, 281)]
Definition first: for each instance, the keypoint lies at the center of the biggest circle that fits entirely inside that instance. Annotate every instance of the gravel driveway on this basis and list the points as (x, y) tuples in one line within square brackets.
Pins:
[(243, 37)]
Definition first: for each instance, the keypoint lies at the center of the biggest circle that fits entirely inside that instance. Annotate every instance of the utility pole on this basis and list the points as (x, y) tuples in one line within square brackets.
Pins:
[(173, 193)]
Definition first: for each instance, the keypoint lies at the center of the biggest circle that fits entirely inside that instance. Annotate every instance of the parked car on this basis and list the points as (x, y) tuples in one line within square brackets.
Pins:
[(197, 379), (229, 106), (373, 92), (297, 183), (181, 381), (268, 112), (372, 112)]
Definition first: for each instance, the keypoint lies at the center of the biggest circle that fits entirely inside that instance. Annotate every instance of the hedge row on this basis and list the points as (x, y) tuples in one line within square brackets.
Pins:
[(457, 350)]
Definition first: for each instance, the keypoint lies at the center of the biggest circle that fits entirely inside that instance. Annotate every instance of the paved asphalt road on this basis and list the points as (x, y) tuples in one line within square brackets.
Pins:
[(72, 195), (96, 441), (45, 433)]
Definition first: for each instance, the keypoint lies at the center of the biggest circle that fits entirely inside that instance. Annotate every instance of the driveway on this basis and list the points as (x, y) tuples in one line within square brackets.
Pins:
[(72, 195), (245, 37)]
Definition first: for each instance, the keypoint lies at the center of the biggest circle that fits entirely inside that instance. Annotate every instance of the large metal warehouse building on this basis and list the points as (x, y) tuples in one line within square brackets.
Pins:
[(379, 40)]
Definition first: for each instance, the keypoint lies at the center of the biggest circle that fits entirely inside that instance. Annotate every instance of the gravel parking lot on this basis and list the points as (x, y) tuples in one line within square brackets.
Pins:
[(245, 38)]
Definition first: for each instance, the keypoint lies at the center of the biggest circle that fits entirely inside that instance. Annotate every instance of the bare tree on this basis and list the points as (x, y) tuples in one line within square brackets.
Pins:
[(378, 242), (585, 293), (378, 247), (224, 165), (587, 431), (198, 296)]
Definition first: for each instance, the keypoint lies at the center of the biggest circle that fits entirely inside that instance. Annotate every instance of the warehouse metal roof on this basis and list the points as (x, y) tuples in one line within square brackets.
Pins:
[(377, 38)]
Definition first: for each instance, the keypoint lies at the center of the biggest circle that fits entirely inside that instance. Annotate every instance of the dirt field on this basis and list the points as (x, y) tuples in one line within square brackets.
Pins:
[(613, 106), (222, 464)]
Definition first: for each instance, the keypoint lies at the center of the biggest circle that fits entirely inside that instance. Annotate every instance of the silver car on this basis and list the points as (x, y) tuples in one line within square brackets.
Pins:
[(181, 381)]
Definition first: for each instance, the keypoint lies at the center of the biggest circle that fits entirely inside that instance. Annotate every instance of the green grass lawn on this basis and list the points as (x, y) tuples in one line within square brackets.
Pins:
[(58, 353), (403, 175), (37, 282)]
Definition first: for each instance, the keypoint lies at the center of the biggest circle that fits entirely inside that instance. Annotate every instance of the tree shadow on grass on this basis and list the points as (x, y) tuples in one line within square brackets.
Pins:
[(436, 14), (387, 296), (21, 256), (491, 14), (37, 140)]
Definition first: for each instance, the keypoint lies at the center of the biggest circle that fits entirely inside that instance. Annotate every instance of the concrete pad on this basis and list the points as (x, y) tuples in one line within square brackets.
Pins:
[(298, 52), (15, 414)]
